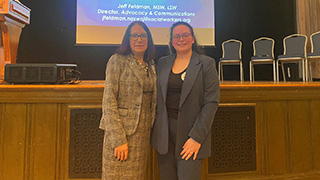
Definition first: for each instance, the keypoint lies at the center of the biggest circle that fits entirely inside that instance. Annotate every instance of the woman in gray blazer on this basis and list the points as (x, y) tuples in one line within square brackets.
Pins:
[(188, 97), (128, 106)]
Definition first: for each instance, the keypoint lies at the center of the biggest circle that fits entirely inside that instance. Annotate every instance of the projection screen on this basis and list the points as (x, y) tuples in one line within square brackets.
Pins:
[(103, 22)]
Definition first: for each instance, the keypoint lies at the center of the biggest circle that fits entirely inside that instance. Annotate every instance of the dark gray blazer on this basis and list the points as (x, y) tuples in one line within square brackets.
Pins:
[(198, 104)]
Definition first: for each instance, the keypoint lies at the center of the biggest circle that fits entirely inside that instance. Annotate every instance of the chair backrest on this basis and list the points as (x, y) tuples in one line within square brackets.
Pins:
[(315, 42), (295, 45), (263, 47), (232, 49)]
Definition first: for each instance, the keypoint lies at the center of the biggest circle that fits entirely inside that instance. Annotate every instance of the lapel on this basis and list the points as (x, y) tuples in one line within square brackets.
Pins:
[(164, 75), (136, 72), (191, 75), (154, 96), (153, 73)]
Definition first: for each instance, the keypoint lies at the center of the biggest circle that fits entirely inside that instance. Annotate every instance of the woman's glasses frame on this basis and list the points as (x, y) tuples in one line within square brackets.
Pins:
[(184, 36), (142, 36)]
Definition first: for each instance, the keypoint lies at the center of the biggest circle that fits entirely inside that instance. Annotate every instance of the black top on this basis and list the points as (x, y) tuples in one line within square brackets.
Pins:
[(175, 83)]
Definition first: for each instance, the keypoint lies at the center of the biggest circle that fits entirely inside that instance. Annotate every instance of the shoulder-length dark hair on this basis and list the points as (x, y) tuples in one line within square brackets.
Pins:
[(125, 49), (195, 46)]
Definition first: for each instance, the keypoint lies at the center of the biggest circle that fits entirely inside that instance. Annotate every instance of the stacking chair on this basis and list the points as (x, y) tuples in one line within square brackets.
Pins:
[(231, 56), (294, 52), (315, 53), (263, 53)]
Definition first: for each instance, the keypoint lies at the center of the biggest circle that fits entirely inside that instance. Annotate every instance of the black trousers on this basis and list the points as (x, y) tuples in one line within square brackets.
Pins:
[(171, 168)]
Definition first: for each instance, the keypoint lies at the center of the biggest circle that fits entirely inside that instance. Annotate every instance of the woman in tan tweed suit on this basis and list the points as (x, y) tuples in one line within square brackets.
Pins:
[(128, 106)]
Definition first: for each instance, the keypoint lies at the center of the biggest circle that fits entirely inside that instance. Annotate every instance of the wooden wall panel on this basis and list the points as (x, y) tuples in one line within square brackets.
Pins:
[(308, 22), (34, 132), (300, 150), (308, 16), (275, 117), (1, 138), (260, 122), (63, 139), (14, 140), (315, 128), (44, 141)]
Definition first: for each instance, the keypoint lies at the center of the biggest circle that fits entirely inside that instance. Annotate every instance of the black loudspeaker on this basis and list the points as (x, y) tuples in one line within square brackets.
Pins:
[(41, 73)]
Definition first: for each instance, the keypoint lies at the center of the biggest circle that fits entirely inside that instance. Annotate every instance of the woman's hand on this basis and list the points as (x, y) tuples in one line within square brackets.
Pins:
[(191, 147), (121, 152)]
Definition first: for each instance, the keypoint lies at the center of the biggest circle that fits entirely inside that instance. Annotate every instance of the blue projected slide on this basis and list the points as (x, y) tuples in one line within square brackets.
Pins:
[(105, 21)]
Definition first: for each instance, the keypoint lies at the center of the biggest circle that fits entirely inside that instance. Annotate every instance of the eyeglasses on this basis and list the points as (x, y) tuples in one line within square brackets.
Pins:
[(135, 37), (184, 36)]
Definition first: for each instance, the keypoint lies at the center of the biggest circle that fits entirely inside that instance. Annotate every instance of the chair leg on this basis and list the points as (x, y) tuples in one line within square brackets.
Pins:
[(304, 76), (310, 70), (283, 73), (253, 78), (241, 71), (219, 70), (277, 65), (251, 72), (306, 69), (222, 72), (274, 71)]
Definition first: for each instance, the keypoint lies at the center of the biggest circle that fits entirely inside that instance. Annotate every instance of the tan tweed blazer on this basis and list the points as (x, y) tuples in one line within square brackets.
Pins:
[(122, 98)]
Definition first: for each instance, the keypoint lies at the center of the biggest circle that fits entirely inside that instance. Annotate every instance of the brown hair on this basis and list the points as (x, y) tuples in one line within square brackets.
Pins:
[(195, 46), (125, 49)]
